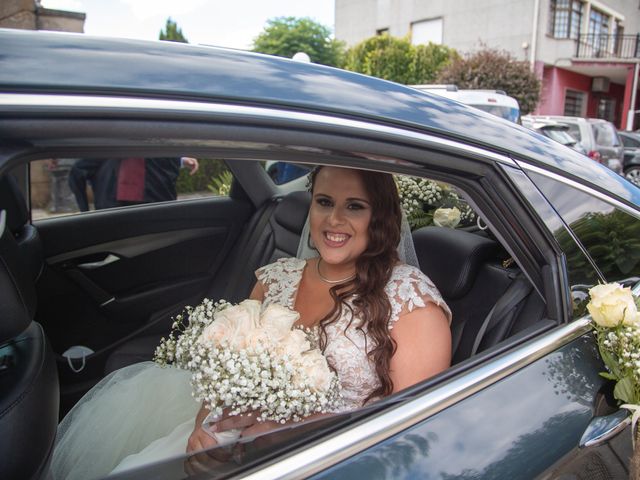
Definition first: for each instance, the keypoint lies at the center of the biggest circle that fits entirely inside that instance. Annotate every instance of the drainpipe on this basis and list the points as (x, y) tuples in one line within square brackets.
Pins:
[(534, 35), (632, 107)]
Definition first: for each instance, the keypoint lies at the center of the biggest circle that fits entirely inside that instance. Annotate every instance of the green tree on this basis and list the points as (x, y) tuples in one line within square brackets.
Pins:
[(286, 36), (172, 32), (396, 59), (495, 70)]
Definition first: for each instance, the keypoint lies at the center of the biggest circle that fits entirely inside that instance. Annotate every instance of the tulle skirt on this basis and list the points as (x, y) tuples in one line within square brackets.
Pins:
[(134, 416)]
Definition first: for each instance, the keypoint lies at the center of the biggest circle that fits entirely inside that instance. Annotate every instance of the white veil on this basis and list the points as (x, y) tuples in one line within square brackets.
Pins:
[(406, 250)]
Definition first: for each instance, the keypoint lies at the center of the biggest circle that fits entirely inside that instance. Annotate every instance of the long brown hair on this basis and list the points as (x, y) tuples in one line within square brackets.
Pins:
[(373, 271)]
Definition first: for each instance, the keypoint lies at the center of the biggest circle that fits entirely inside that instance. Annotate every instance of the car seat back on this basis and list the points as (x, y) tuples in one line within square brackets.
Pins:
[(29, 391), (26, 235), (468, 270), (273, 232)]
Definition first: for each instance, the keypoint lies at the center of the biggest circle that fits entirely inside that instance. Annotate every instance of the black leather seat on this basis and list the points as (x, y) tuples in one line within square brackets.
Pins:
[(273, 232), (26, 235), (467, 269), (29, 391)]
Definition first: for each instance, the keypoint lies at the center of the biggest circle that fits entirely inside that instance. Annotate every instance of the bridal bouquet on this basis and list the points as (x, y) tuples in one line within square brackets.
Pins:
[(245, 358), (616, 321)]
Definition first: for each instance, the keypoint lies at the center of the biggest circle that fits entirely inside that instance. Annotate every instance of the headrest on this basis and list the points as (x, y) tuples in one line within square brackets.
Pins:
[(12, 200), (452, 258), (292, 211), (17, 291)]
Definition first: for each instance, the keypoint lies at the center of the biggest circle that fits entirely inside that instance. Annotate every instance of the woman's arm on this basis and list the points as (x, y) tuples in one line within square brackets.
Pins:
[(258, 292), (423, 339)]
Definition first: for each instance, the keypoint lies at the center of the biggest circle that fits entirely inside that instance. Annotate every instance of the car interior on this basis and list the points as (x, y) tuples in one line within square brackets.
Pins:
[(110, 281)]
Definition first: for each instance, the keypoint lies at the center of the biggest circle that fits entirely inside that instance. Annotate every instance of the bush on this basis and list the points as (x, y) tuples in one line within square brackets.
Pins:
[(209, 169), (495, 70), (397, 60)]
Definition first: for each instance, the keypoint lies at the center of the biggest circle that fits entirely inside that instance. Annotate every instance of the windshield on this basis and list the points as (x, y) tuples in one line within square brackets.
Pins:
[(508, 113), (559, 135)]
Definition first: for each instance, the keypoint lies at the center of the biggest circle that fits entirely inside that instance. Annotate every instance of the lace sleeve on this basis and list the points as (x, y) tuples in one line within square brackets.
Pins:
[(409, 289), (280, 280)]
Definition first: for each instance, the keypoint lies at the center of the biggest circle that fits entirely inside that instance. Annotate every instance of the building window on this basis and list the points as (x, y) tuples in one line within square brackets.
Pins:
[(382, 31), (427, 31), (565, 18), (574, 103), (607, 109)]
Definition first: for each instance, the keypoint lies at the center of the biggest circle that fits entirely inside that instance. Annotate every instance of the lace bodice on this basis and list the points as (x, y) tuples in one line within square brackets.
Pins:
[(347, 344)]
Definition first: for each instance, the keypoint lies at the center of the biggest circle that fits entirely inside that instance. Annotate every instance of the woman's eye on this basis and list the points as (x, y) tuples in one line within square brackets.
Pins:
[(323, 202), (355, 206)]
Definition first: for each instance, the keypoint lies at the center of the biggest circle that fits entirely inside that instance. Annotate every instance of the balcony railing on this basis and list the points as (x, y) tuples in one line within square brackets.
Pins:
[(608, 46)]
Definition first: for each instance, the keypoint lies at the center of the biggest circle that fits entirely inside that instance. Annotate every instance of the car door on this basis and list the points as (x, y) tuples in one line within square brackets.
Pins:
[(539, 410), (110, 273)]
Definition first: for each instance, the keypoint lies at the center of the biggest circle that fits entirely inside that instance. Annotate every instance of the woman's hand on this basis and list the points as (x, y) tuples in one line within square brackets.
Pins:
[(199, 439)]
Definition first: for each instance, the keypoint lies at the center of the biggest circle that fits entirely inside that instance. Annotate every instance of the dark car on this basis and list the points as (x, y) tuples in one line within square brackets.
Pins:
[(631, 165), (85, 293)]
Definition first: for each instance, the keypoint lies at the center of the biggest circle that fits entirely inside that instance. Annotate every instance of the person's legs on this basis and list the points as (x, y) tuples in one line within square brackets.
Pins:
[(80, 172)]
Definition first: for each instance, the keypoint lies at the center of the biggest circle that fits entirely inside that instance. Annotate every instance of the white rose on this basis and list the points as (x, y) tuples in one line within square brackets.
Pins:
[(293, 345), (233, 325), (261, 337), (315, 370), (215, 332), (612, 305), (278, 320), (446, 217)]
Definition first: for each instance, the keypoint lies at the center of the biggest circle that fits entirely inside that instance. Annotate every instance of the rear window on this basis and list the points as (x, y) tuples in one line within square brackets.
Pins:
[(508, 113), (559, 135), (574, 131), (605, 134)]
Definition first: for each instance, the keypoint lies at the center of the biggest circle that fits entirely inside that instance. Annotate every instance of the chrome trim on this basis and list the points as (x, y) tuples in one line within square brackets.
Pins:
[(343, 445), (26, 103), (572, 183)]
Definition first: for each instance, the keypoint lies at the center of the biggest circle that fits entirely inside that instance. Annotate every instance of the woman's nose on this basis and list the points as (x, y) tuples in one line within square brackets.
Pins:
[(336, 216)]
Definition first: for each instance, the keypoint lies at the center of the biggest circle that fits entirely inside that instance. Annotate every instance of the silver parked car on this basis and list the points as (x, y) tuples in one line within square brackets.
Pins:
[(598, 137), (555, 130)]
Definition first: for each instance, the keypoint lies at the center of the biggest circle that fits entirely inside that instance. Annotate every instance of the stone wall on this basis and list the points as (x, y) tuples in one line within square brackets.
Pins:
[(29, 15)]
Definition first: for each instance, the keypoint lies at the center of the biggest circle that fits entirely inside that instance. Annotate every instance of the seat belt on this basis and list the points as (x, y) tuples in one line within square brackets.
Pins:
[(510, 299)]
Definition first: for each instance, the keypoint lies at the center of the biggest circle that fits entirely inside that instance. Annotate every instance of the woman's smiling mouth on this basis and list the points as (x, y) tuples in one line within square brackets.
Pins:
[(336, 239)]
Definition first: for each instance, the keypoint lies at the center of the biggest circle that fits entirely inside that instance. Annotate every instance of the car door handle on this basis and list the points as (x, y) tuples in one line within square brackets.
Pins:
[(601, 429), (105, 261)]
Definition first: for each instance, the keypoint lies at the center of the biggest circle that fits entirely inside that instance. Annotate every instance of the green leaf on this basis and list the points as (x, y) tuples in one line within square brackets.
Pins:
[(624, 390), (610, 361), (608, 376)]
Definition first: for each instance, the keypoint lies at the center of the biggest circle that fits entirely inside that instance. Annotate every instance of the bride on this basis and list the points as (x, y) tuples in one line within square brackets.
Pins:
[(383, 327)]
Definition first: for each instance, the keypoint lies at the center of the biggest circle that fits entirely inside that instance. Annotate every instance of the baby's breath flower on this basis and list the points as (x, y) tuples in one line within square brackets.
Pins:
[(245, 379)]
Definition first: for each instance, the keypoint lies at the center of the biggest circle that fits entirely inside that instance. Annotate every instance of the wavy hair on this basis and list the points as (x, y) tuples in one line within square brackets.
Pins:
[(373, 271)]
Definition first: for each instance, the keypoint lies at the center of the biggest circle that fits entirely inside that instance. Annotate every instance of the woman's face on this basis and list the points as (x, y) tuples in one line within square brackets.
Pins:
[(339, 216)]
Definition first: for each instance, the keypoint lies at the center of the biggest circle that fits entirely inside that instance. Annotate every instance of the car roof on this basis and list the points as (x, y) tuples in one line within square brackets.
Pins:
[(55, 62)]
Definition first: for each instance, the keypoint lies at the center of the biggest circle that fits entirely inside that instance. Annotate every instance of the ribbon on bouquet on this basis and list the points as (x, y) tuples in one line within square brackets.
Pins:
[(635, 416)]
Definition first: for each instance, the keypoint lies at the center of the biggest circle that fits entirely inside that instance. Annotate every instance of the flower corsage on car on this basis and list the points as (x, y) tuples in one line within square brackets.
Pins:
[(615, 318), (246, 358)]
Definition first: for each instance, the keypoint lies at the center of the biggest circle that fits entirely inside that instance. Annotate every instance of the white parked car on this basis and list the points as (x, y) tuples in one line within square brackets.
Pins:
[(496, 102)]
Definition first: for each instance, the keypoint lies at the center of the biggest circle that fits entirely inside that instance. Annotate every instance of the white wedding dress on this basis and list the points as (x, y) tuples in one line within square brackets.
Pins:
[(145, 413)]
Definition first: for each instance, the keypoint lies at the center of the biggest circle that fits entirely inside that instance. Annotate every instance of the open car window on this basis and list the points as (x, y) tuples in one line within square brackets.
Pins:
[(63, 186)]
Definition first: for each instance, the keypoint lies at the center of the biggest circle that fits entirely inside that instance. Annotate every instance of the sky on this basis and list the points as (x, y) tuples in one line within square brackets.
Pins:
[(224, 23)]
